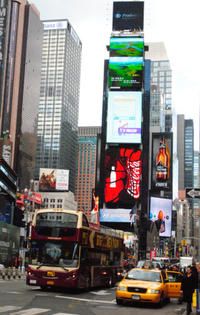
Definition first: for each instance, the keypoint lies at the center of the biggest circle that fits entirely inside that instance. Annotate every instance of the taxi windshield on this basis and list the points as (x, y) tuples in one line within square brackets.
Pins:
[(146, 275)]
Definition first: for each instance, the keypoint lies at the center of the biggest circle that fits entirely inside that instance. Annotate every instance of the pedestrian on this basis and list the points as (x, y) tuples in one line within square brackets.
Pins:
[(187, 288)]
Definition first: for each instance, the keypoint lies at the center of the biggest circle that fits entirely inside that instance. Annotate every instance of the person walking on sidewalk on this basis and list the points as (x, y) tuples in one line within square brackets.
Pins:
[(187, 288)]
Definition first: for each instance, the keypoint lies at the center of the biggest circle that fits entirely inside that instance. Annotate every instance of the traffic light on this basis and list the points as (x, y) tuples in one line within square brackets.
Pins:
[(18, 218)]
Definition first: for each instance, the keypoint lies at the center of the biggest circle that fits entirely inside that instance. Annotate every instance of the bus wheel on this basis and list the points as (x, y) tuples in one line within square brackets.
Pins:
[(43, 287), (87, 283)]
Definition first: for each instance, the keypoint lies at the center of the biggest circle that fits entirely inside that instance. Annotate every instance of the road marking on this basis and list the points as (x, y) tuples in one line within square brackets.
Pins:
[(84, 300), (101, 292), (31, 311), (14, 292), (8, 308)]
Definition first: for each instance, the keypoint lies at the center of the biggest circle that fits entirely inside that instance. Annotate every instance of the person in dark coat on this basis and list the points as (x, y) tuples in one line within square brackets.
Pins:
[(187, 287)]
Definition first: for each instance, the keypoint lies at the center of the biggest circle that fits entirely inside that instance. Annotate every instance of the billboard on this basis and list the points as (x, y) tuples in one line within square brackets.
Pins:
[(126, 47), (53, 179), (128, 15), (126, 73), (115, 215), (124, 117), (122, 177), (161, 209), (161, 174)]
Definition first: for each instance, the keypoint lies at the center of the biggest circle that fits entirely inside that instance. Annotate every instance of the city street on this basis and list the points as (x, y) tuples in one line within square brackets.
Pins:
[(19, 299)]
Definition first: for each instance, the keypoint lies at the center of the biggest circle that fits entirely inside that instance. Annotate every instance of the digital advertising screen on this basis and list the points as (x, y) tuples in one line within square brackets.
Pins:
[(126, 73), (128, 15), (161, 209), (161, 173), (122, 177), (126, 47), (53, 180), (124, 117), (115, 215)]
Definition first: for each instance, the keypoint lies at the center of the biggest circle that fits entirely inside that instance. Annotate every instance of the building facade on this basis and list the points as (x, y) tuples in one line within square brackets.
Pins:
[(161, 88), (57, 126), (29, 96), (86, 168)]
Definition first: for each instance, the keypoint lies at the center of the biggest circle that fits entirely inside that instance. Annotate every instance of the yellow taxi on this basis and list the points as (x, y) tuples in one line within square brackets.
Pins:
[(148, 285)]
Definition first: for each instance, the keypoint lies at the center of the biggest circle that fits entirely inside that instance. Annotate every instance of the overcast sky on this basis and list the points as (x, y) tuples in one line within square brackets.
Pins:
[(174, 22)]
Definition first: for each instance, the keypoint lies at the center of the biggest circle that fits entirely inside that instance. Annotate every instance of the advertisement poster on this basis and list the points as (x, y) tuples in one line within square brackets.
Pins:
[(53, 179), (126, 47), (128, 15), (161, 161), (161, 210), (126, 73), (124, 117), (122, 183)]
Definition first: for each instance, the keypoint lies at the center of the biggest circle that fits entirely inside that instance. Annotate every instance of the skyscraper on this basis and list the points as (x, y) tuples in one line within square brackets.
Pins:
[(161, 85), (57, 127), (86, 170), (29, 96), (185, 152)]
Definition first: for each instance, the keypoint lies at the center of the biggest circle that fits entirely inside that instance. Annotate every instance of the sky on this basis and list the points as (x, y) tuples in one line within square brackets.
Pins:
[(174, 22)]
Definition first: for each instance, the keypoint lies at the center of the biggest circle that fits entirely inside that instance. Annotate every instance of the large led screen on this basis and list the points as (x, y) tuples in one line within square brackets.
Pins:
[(126, 73), (122, 177), (126, 47), (128, 15), (53, 179), (161, 174), (115, 215), (161, 212), (124, 116)]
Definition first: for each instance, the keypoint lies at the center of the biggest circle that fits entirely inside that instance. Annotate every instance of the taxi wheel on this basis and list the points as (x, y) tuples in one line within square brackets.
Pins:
[(162, 300), (119, 301)]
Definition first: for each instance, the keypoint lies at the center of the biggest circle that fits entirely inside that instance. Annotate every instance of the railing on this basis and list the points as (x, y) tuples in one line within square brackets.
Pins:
[(10, 273)]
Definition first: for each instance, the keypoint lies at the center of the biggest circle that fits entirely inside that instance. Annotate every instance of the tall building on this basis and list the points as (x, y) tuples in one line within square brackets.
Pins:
[(57, 127), (185, 151), (86, 169), (29, 96), (196, 169), (189, 153), (161, 88)]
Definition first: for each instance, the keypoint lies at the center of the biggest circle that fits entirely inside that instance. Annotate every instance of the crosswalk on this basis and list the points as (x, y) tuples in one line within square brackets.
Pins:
[(16, 310)]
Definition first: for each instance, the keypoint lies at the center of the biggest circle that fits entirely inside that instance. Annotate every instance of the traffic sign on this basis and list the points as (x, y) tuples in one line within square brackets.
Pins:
[(193, 192)]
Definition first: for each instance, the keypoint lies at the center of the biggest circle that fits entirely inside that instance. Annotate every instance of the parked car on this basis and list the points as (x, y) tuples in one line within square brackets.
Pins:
[(2, 267), (148, 285)]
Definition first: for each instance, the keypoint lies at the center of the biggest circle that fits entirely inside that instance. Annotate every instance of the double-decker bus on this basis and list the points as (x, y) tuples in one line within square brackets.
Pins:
[(67, 251)]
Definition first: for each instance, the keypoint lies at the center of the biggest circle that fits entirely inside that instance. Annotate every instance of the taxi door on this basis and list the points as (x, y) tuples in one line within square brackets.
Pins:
[(173, 283)]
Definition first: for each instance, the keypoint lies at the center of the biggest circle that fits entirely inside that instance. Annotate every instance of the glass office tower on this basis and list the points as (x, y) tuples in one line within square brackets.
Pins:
[(57, 127)]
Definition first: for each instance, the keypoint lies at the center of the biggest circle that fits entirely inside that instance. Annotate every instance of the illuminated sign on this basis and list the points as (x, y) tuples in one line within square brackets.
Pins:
[(161, 209), (126, 47), (124, 117), (115, 215), (55, 25), (161, 161), (126, 73), (122, 177), (128, 15)]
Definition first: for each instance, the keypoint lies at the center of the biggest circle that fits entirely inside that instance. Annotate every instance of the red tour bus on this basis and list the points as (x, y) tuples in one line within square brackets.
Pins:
[(67, 251)]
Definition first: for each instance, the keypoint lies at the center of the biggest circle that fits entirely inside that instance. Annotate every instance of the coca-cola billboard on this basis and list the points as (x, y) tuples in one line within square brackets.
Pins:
[(122, 182)]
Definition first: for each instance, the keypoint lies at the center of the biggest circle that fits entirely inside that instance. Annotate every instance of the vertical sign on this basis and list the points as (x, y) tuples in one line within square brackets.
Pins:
[(161, 175)]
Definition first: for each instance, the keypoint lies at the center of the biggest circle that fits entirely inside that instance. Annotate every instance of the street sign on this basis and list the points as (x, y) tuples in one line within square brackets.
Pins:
[(193, 192)]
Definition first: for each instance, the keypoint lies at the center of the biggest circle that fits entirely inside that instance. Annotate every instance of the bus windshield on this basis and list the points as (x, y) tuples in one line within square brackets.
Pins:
[(53, 253)]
